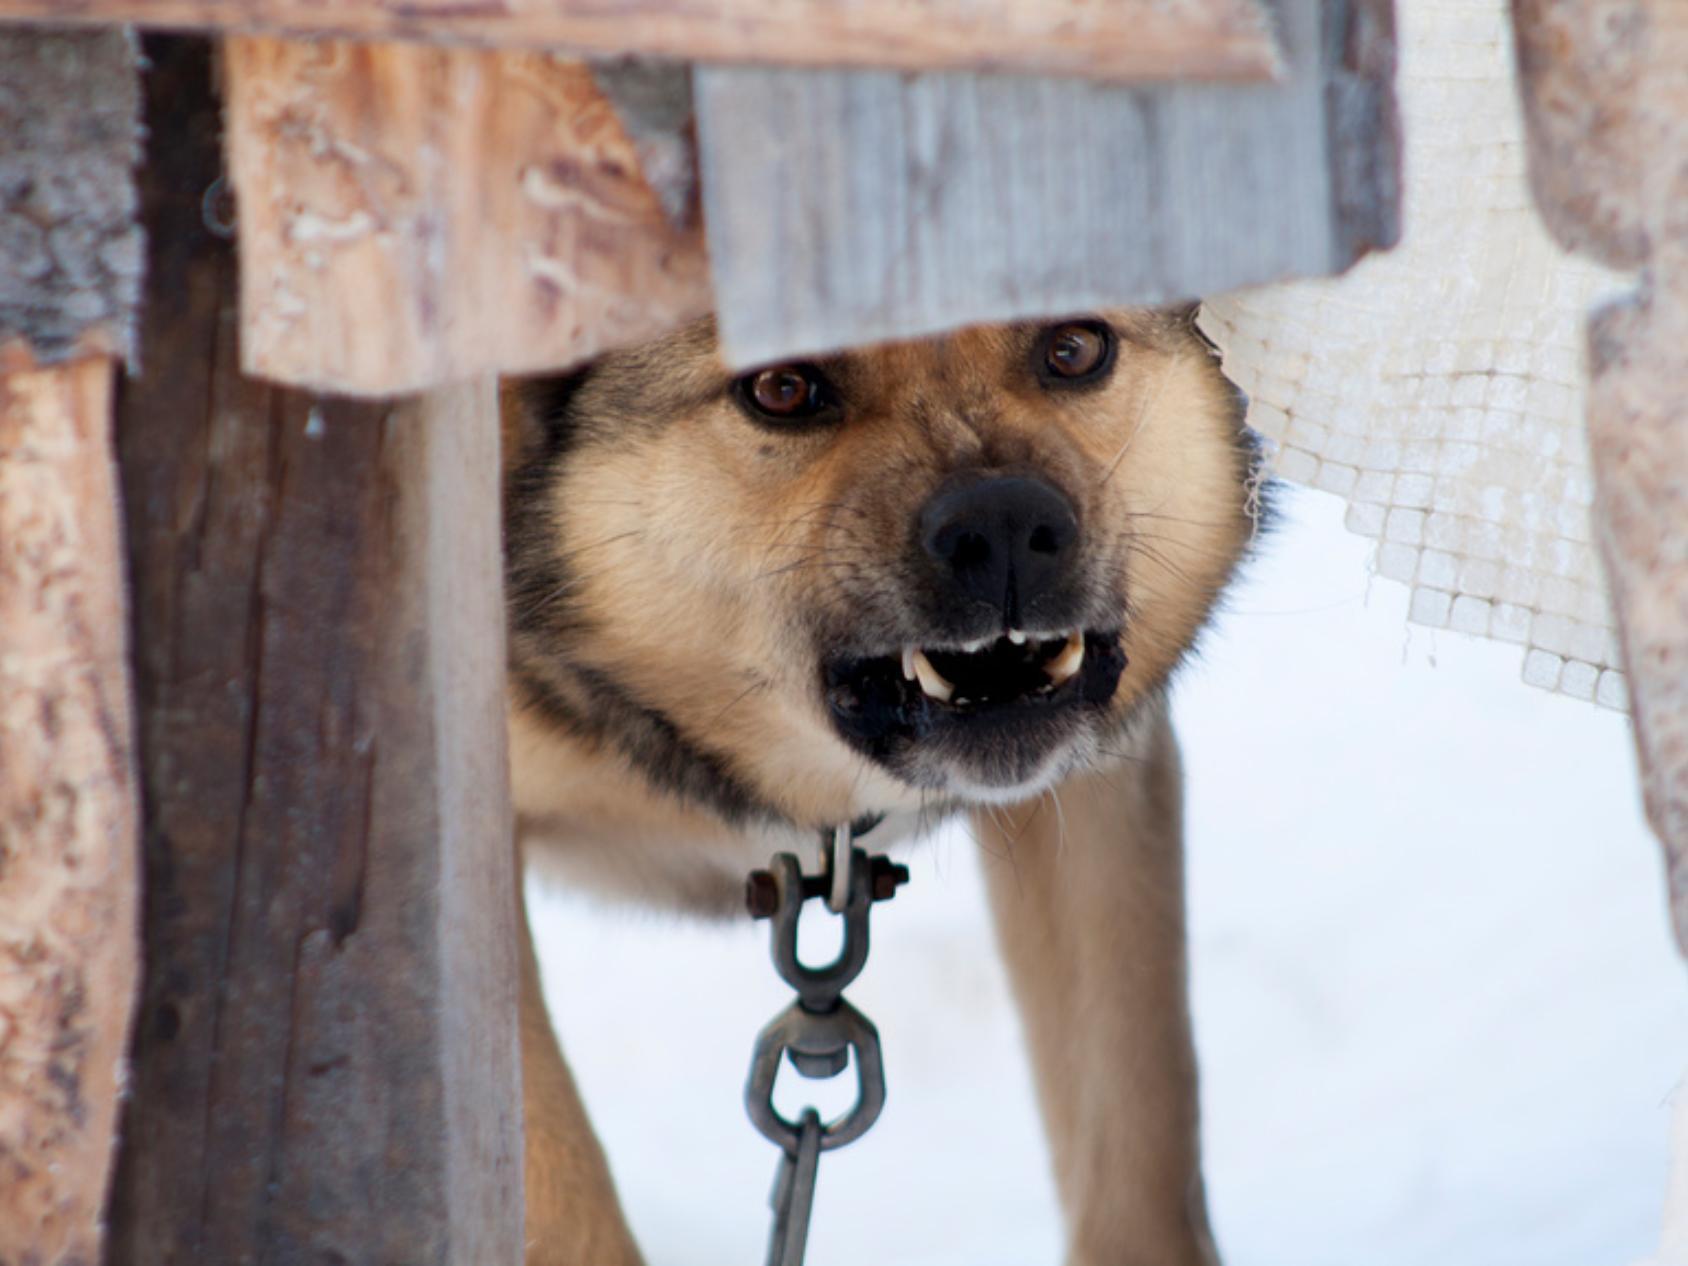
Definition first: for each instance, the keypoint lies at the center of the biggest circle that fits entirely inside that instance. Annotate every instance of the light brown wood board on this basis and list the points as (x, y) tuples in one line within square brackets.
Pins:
[(411, 216), (69, 881), (1129, 39)]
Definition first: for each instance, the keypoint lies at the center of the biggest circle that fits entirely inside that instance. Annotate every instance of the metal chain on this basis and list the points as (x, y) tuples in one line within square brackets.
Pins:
[(818, 1031)]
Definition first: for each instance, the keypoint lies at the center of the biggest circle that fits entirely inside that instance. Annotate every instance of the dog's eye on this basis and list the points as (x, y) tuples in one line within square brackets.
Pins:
[(1076, 352), (786, 393)]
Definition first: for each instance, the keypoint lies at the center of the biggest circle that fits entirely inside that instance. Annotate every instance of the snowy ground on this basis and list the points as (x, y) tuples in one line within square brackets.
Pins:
[(1438, 1013)]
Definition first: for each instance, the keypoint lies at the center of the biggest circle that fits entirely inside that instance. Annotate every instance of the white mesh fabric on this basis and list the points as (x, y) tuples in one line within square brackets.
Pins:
[(1439, 388)]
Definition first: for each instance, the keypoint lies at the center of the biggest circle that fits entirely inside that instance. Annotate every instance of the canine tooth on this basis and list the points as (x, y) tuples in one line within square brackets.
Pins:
[(908, 663), (1017, 636), (1068, 661), (931, 680)]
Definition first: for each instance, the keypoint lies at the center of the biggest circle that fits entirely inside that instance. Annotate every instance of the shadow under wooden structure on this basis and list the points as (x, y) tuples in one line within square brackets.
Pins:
[(279, 783)]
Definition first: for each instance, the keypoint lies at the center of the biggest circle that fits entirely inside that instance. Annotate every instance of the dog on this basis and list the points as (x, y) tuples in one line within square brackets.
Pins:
[(946, 575)]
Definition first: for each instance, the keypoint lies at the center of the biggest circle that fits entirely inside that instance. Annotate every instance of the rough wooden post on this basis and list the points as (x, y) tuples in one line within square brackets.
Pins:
[(326, 1063), (69, 254), (1606, 100)]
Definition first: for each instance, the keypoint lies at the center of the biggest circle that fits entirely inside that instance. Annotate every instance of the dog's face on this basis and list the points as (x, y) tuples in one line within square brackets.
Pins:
[(948, 567)]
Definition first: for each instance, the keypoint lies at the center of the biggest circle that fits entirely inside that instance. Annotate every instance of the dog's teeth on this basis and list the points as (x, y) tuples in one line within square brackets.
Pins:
[(1064, 665), (1017, 636), (908, 663), (931, 680)]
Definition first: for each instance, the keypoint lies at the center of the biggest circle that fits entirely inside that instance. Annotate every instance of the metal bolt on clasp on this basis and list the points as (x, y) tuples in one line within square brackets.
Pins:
[(762, 890)]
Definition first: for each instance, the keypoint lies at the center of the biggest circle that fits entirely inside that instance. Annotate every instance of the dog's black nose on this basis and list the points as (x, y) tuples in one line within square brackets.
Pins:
[(1005, 540)]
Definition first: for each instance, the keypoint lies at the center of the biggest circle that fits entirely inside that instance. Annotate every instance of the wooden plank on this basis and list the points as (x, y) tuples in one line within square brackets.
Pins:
[(1129, 39), (70, 249), (851, 207), (69, 892), (1606, 97), (411, 216), (326, 1063)]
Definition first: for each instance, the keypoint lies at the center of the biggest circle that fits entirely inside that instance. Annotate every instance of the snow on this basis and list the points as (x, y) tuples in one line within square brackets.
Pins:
[(1438, 1013)]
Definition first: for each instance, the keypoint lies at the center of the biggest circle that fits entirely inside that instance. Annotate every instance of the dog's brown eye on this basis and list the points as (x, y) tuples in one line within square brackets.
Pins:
[(786, 393), (1076, 351)]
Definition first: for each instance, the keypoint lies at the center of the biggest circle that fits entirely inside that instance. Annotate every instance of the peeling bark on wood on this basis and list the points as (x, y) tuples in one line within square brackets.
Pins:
[(1133, 39), (69, 900), (1606, 96), (854, 207), (654, 101), (70, 249), (411, 216), (326, 1063)]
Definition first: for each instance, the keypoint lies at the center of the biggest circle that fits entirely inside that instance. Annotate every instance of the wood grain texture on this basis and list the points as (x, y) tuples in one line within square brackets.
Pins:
[(852, 207), (411, 216), (1132, 39), (326, 1063), (1579, 66), (69, 887), (1605, 90), (70, 247)]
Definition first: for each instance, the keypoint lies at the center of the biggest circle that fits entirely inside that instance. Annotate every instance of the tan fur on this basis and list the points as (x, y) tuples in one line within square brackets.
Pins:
[(1087, 888), (700, 552)]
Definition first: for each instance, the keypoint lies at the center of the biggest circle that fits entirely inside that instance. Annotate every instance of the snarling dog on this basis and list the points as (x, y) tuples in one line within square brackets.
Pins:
[(952, 574)]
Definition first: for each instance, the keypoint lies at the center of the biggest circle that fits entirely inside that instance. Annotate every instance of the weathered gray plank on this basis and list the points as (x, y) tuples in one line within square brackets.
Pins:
[(70, 248), (850, 207)]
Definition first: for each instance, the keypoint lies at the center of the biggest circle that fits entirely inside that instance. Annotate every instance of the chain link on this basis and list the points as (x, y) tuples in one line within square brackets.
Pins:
[(820, 1030)]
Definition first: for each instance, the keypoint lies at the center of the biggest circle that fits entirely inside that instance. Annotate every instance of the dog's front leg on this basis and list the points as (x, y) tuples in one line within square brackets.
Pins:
[(573, 1215), (1087, 888)]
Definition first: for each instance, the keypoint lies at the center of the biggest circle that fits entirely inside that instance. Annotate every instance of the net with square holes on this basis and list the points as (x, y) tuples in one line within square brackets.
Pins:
[(1439, 387)]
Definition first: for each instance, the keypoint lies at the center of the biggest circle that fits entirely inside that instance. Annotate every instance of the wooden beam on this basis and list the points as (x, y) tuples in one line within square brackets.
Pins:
[(411, 216), (70, 249), (326, 1060), (1125, 39), (1605, 88), (854, 207), (69, 894), (69, 883)]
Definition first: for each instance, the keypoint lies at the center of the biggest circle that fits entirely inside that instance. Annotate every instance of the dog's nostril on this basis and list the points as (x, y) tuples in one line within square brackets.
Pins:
[(1044, 540), (971, 550)]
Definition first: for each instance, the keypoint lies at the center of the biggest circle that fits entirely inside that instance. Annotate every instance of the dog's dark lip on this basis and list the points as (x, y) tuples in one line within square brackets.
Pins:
[(875, 706)]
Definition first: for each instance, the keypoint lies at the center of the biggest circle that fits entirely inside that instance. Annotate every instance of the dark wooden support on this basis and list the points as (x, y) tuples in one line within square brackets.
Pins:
[(325, 1065)]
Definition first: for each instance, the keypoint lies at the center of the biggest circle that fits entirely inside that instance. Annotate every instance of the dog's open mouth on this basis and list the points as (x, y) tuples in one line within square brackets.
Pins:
[(877, 700), (999, 670)]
